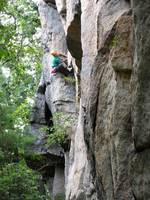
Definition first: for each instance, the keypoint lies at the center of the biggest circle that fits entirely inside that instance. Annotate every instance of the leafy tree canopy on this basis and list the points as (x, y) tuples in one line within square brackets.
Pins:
[(20, 55), (20, 58)]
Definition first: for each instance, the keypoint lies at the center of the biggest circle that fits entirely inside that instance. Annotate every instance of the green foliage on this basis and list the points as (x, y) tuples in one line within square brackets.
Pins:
[(113, 43), (8, 146), (48, 194), (3, 4), (33, 157), (20, 68), (12, 146), (20, 55), (62, 123), (20, 51), (60, 197), (18, 182), (70, 80)]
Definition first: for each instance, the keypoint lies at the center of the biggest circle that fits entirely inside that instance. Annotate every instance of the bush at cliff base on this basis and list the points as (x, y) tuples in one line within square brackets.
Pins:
[(18, 182)]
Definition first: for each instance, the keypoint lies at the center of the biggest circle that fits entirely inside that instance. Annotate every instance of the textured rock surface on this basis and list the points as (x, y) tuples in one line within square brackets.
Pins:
[(54, 94), (58, 184), (109, 156), (141, 115), (80, 181), (105, 79)]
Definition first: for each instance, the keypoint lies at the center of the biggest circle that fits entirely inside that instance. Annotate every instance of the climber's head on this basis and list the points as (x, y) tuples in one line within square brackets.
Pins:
[(54, 53)]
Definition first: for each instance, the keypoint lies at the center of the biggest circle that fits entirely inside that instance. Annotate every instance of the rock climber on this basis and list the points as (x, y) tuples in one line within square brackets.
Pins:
[(55, 61), (59, 63)]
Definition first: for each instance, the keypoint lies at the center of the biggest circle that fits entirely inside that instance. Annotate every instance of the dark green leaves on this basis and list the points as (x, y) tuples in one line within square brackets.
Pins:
[(18, 182), (20, 67), (3, 4)]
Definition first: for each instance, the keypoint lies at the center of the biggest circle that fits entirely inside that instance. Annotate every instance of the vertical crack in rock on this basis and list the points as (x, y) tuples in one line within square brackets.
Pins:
[(48, 116), (92, 109), (73, 38)]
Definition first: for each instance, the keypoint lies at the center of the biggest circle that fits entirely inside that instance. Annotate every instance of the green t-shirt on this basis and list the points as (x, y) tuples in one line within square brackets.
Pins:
[(55, 60)]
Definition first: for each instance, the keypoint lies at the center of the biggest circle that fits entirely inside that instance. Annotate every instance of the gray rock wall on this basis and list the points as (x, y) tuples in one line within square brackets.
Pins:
[(54, 94), (105, 78), (140, 169), (108, 45), (58, 184)]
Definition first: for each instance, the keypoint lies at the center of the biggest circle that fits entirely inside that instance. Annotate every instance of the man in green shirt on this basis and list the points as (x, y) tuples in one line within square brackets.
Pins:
[(59, 63), (55, 61)]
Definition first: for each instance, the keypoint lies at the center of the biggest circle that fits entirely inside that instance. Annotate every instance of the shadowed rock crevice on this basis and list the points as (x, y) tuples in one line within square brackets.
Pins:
[(51, 3), (74, 36), (48, 116), (41, 89)]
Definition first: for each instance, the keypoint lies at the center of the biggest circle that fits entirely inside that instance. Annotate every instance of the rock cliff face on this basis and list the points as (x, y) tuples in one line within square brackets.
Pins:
[(108, 44)]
